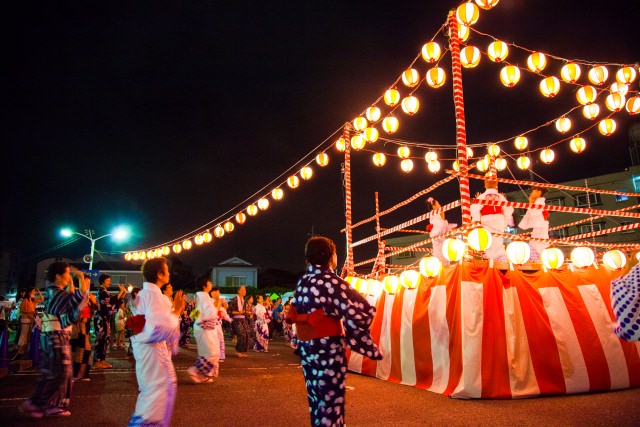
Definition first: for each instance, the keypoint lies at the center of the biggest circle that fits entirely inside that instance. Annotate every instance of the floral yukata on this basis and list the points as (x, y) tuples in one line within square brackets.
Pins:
[(262, 328), (324, 363)]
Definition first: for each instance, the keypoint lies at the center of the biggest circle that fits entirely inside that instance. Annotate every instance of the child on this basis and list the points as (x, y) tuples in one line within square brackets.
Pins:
[(119, 321)]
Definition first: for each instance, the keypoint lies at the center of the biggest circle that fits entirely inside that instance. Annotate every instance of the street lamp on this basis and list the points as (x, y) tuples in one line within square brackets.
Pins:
[(119, 233)]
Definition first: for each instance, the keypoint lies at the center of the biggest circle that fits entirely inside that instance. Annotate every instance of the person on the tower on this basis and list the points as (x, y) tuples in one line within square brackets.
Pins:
[(536, 219)]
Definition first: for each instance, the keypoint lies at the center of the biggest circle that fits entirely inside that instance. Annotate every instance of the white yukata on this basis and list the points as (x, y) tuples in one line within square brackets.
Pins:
[(223, 316), (534, 218), (205, 330), (495, 219), (152, 349), (439, 226)]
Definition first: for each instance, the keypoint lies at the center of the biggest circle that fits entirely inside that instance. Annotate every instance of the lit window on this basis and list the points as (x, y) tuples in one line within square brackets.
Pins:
[(557, 201), (587, 199), (586, 228), (407, 254)]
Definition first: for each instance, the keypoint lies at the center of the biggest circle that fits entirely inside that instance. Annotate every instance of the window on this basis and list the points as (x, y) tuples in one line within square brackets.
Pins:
[(586, 228), (560, 233), (636, 184), (620, 198), (236, 281), (587, 199), (627, 223), (119, 280), (407, 254), (556, 201)]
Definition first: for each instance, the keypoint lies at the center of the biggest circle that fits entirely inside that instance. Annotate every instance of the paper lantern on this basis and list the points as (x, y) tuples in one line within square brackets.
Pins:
[(455, 166), (498, 51), (436, 77), (186, 245), (523, 162), (374, 287), (500, 163), (350, 281), (615, 102), (470, 56), (591, 111), (510, 75), (293, 181), (487, 4), (536, 62), (547, 155), (404, 152), (199, 239), (463, 32), (586, 95), (469, 152), (467, 13), (518, 252), (482, 165), (322, 159), (340, 144), (550, 86), (241, 218), (360, 285), (430, 266), (410, 77), (143, 255), (433, 166), (521, 143), (621, 88), (277, 193), (431, 156), (633, 105), (128, 256), (391, 284), (453, 249), (431, 52), (552, 258), (358, 142), (252, 210), (390, 124), (493, 150), (607, 127), (410, 105), (391, 97), (373, 114), (263, 204), (563, 125), (360, 124), (406, 165), (614, 259), (578, 145), (379, 159), (570, 73), (218, 232), (582, 256), (479, 239), (410, 279), (177, 248), (306, 173), (208, 237), (135, 256), (370, 134), (626, 75), (598, 75), (151, 254)]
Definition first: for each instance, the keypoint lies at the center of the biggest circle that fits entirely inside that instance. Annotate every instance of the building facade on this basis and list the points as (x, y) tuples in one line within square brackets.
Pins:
[(235, 272)]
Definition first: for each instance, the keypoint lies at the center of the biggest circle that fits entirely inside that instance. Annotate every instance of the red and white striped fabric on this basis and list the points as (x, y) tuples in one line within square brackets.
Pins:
[(475, 332)]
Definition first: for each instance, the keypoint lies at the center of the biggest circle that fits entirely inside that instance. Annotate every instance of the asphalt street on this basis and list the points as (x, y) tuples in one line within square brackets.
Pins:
[(267, 389)]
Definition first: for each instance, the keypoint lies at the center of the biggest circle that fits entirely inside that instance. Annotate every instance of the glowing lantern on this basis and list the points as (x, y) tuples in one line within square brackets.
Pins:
[(199, 239), (433, 166), (431, 52), (177, 248), (218, 232), (436, 77), (350, 281), (582, 256), (410, 279), (510, 75), (518, 253), (150, 254), (463, 32), (277, 194), (570, 73), (370, 134), (536, 62), (620, 88), (578, 145), (358, 142), (340, 144), (586, 95), (479, 239), (482, 165), (493, 150), (470, 56), (430, 266), (547, 155), (322, 159), (453, 249), (523, 162), (404, 152), (591, 111), (552, 258), (392, 97), (359, 284), (128, 256), (186, 245), (293, 181), (614, 259), (615, 102), (373, 114), (306, 173), (607, 127), (263, 204), (390, 124), (374, 287), (563, 125), (431, 156), (598, 75), (467, 13), (487, 4), (135, 256), (500, 163), (633, 105), (252, 210), (208, 237), (241, 218), (410, 105), (379, 159), (469, 152), (360, 124), (407, 165), (143, 255), (455, 166), (410, 77), (626, 75), (521, 142), (391, 284), (550, 86), (498, 51)]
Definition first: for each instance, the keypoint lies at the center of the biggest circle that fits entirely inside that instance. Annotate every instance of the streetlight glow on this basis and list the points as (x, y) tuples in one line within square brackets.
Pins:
[(118, 234)]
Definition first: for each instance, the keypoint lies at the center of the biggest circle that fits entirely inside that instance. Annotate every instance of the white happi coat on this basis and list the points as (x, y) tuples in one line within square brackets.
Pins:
[(439, 227), (152, 349), (534, 219), (493, 222), (207, 339)]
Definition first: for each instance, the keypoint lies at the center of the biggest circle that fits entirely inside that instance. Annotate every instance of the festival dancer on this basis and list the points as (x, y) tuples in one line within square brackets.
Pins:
[(625, 301), (206, 333), (221, 305), (537, 219), (156, 334), (240, 325), (81, 339), (262, 327), (438, 225), (494, 218), (328, 314)]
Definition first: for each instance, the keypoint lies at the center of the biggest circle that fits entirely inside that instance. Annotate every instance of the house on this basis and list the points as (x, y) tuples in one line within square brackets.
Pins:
[(235, 272)]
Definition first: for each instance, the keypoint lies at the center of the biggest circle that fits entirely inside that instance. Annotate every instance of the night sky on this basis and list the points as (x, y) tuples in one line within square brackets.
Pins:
[(166, 117)]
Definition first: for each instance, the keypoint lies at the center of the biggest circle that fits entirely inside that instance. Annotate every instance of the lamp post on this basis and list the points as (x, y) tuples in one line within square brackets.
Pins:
[(119, 233)]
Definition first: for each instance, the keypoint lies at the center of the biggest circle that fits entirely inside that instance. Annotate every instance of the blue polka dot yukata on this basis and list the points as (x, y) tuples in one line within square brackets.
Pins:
[(323, 359), (625, 298)]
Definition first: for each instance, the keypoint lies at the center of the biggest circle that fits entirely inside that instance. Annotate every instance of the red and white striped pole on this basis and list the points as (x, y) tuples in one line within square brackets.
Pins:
[(461, 131), (347, 269)]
